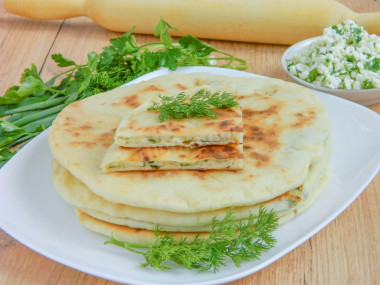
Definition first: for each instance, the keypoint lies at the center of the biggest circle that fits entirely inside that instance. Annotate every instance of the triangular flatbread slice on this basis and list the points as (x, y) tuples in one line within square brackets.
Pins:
[(141, 128), (227, 157)]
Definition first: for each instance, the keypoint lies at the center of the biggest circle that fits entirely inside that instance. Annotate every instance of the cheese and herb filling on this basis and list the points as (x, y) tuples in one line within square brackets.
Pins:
[(346, 57), (226, 157), (203, 119)]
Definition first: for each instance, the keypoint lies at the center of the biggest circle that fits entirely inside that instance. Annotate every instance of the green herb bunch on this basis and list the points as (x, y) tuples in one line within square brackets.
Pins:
[(231, 239), (196, 106), (28, 109)]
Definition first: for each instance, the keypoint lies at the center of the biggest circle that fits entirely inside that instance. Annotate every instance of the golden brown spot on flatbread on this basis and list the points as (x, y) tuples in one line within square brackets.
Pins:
[(139, 154), (304, 119), (147, 174), (246, 96), (181, 87), (264, 140), (248, 178), (227, 113), (151, 130), (261, 159), (229, 126), (153, 173), (174, 127), (162, 126), (198, 174), (151, 88), (296, 199), (131, 101), (269, 112), (106, 137), (68, 121), (131, 124), (232, 152), (84, 144), (259, 156), (85, 127), (145, 153), (224, 124), (286, 196), (218, 152), (172, 123), (226, 121), (267, 136)]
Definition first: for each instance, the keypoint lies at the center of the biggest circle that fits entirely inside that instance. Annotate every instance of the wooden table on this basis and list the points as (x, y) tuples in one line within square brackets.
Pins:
[(344, 252)]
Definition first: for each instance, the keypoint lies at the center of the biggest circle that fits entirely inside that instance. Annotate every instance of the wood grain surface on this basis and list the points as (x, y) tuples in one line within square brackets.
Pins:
[(345, 252)]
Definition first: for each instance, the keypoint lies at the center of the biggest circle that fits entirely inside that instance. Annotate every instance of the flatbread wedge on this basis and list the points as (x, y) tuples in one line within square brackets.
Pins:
[(118, 158), (141, 128)]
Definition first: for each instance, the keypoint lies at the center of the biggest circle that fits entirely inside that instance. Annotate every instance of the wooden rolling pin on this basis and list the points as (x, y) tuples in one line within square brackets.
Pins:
[(265, 21)]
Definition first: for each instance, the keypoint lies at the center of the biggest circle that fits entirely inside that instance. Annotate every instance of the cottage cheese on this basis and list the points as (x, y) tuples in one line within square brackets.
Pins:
[(346, 57)]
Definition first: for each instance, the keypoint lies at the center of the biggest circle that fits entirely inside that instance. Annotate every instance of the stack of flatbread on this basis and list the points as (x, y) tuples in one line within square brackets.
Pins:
[(198, 168)]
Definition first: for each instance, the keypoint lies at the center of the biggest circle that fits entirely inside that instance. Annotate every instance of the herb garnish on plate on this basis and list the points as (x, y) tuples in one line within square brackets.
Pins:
[(229, 239)]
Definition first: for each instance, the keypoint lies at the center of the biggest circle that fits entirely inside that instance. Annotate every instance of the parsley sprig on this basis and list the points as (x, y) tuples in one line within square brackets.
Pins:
[(231, 239), (35, 103), (198, 105)]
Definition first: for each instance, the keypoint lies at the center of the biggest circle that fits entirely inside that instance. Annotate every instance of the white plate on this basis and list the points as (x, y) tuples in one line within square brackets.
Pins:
[(32, 212), (363, 97)]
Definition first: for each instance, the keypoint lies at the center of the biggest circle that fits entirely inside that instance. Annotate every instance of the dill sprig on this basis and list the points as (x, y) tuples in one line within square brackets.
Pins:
[(232, 239), (196, 106)]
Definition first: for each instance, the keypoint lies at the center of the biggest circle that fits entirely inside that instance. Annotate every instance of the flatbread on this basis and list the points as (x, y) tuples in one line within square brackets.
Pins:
[(137, 235), (118, 158), (140, 128), (76, 193), (129, 234), (125, 233), (286, 130)]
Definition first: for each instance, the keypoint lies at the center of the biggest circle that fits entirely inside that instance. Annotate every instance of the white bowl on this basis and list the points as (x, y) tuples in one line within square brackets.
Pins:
[(363, 97)]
